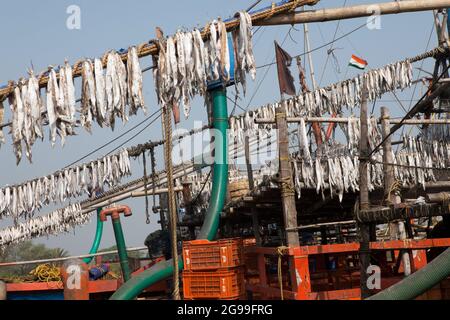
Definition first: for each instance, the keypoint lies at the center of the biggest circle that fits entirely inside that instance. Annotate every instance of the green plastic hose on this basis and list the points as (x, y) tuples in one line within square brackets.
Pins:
[(419, 282), (97, 239), (122, 249), (131, 289)]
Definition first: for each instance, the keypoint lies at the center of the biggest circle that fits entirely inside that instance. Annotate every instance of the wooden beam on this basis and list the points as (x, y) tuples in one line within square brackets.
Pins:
[(438, 197), (359, 11), (286, 181), (389, 177), (364, 228)]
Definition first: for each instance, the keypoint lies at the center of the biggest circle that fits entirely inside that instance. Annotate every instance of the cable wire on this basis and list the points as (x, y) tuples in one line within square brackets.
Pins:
[(320, 47), (409, 115), (113, 140)]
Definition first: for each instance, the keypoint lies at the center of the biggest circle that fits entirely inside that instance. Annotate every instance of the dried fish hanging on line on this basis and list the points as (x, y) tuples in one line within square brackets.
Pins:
[(186, 63), (59, 221), (61, 104), (2, 115), (334, 98), (437, 132), (200, 188), (104, 97), (21, 201), (331, 171), (338, 172), (418, 156), (244, 58)]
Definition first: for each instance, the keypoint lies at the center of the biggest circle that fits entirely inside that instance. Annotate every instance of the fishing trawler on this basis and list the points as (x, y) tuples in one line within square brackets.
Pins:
[(320, 195)]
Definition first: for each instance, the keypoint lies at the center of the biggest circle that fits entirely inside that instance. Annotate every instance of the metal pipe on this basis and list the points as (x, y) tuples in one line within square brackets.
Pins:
[(20, 263), (139, 194), (365, 10), (419, 282), (97, 239), (122, 249)]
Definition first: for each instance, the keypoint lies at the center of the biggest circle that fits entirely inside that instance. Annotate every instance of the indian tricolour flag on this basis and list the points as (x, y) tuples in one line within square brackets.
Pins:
[(358, 62)]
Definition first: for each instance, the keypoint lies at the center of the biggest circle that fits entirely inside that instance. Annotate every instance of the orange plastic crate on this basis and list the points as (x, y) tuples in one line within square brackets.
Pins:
[(212, 255), (223, 285)]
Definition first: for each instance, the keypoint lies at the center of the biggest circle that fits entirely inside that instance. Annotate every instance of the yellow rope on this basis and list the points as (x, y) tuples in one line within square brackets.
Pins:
[(48, 273), (395, 187), (287, 187)]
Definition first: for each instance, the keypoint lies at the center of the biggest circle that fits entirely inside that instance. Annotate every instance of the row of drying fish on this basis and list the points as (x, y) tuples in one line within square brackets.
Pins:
[(104, 97), (21, 201), (437, 150), (414, 168), (331, 99), (338, 171), (186, 63), (2, 116), (59, 221), (436, 132)]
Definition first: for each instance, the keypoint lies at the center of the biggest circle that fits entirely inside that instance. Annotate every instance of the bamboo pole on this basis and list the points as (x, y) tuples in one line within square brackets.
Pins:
[(359, 11), (156, 192), (389, 178), (286, 183)]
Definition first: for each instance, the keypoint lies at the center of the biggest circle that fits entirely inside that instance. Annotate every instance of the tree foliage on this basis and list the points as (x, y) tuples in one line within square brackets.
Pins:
[(26, 251)]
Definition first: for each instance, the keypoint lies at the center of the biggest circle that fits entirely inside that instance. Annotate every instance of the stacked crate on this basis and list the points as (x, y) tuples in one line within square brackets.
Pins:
[(213, 269)]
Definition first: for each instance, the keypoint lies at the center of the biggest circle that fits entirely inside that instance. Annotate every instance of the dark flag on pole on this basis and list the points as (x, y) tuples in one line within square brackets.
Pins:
[(284, 61)]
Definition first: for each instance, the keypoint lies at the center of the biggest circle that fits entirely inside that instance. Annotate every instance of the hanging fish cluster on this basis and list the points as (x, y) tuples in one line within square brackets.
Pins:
[(437, 132), (332, 99), (186, 63), (104, 97), (23, 200), (2, 116), (245, 123), (337, 169), (353, 133), (57, 222), (27, 121), (419, 156), (332, 168), (200, 188)]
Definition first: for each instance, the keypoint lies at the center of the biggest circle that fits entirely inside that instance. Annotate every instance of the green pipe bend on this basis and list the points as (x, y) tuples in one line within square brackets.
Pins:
[(419, 282), (131, 289), (122, 249), (97, 239)]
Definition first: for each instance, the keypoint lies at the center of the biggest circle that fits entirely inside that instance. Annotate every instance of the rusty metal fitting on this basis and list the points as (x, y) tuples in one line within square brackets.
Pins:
[(115, 213)]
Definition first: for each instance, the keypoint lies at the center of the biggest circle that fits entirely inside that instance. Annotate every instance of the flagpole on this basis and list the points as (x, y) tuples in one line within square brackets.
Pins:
[(310, 59), (317, 128)]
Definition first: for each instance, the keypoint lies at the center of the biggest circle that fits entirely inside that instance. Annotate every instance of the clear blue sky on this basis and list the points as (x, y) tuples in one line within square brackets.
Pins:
[(37, 33)]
